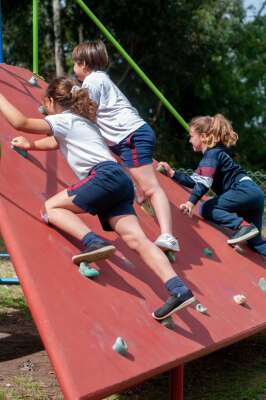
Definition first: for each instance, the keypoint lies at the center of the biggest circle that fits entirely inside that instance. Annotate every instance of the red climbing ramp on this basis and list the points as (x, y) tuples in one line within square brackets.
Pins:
[(79, 319)]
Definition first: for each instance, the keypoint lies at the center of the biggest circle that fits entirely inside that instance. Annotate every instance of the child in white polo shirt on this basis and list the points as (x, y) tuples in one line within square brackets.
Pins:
[(127, 134), (103, 189)]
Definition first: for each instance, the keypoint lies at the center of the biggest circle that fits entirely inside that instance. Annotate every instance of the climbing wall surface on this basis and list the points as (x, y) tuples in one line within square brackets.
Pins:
[(79, 319)]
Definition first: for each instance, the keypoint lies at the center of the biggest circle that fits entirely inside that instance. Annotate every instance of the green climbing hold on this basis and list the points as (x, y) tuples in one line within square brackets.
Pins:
[(88, 271), (208, 252), (168, 323), (162, 170), (171, 256)]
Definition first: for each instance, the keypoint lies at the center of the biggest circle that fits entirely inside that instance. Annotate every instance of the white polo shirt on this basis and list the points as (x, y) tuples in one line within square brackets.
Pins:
[(116, 117), (80, 142)]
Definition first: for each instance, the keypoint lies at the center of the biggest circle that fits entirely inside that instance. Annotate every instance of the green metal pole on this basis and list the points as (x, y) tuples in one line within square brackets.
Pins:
[(127, 57), (35, 36)]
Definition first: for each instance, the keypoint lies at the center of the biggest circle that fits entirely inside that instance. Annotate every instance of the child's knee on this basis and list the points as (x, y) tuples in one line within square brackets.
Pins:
[(150, 188), (134, 242)]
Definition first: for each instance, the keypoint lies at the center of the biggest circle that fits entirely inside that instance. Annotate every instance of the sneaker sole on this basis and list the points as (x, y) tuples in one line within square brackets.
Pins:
[(243, 238), (95, 255), (165, 248), (183, 305)]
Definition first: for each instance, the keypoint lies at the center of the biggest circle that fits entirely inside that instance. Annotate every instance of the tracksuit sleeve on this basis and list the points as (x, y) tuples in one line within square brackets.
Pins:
[(183, 179), (201, 180)]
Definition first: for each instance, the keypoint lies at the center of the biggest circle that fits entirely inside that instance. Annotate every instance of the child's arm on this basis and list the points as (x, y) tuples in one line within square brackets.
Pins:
[(202, 184), (200, 181), (178, 177), (48, 143), (203, 180), (20, 122)]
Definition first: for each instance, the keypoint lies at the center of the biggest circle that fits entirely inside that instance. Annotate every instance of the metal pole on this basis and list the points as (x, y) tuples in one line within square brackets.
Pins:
[(8, 281), (35, 36), (132, 63), (1, 35), (177, 383)]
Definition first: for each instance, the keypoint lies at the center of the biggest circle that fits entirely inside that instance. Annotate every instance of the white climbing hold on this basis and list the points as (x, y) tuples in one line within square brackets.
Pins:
[(240, 299), (201, 308), (238, 248)]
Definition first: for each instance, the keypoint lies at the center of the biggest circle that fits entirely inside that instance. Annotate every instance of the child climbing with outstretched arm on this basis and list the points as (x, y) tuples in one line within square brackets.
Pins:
[(103, 188), (127, 134), (239, 201)]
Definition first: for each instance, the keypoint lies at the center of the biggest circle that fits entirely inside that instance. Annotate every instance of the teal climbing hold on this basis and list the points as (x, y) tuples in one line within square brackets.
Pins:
[(22, 152), (42, 110), (208, 252), (33, 81), (262, 284), (88, 271), (120, 346)]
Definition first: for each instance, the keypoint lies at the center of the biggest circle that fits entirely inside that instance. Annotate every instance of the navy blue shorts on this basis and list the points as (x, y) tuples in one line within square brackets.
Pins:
[(107, 192), (136, 149)]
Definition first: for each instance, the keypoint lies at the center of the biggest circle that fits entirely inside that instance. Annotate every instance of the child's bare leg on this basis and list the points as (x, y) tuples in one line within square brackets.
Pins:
[(147, 180), (62, 213), (139, 194), (128, 228)]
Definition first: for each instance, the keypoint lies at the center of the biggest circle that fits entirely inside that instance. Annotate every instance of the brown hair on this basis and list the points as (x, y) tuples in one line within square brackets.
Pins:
[(93, 54), (214, 130), (78, 101)]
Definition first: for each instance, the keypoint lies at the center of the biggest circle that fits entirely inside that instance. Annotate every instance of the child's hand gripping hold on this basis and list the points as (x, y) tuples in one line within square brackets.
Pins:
[(187, 208), (165, 169), (21, 142)]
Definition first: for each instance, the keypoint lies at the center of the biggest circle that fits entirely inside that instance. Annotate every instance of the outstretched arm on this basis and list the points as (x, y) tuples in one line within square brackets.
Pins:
[(20, 122), (48, 143), (179, 177)]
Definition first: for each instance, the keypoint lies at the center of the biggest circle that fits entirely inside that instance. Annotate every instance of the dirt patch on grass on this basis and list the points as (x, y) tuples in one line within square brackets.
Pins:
[(25, 369), (22, 356)]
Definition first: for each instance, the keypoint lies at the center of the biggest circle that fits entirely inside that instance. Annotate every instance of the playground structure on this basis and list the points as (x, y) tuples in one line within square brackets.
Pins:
[(99, 334)]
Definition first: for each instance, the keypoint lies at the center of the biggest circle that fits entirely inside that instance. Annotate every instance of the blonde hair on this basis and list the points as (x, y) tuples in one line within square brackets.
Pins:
[(78, 100), (214, 130), (93, 54)]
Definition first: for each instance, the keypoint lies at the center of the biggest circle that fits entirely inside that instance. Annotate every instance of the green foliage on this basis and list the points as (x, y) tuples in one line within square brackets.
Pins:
[(204, 56)]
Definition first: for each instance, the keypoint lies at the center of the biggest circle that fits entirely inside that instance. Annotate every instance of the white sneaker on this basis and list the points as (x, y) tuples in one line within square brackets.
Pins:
[(167, 242)]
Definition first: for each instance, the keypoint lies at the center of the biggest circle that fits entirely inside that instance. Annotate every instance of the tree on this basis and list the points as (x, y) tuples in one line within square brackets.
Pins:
[(59, 57), (204, 56)]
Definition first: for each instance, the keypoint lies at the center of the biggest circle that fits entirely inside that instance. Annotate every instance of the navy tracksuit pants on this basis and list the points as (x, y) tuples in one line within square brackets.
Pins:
[(244, 201)]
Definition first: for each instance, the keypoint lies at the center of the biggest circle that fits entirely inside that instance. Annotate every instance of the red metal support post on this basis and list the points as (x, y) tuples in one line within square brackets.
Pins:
[(176, 376)]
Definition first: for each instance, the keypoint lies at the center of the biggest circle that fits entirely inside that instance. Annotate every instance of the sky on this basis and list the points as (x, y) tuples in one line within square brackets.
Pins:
[(256, 4)]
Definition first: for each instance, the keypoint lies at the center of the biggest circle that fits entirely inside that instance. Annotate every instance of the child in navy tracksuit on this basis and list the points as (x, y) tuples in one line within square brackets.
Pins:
[(239, 202)]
